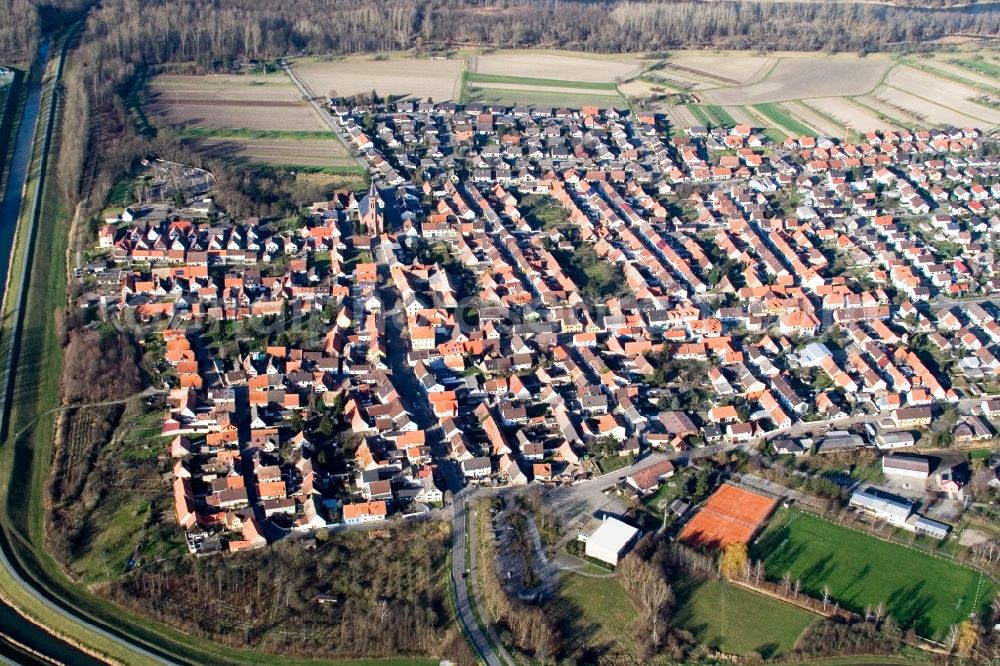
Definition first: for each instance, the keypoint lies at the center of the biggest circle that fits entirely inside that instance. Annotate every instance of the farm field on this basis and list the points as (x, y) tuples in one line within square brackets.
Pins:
[(806, 76), (540, 97), (565, 65), (941, 92), (739, 621), (779, 116), (923, 109), (849, 113), (393, 75), (736, 70), (919, 590), (522, 90), (267, 102), (327, 152), (988, 66), (952, 68)]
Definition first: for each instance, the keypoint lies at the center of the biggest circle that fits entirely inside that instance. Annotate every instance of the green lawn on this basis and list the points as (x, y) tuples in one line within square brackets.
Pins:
[(776, 115), (921, 591), (597, 613), (738, 621)]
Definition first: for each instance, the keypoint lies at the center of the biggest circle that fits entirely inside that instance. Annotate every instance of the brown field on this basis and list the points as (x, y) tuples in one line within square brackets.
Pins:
[(395, 75), (849, 113), (926, 111), (565, 66), (730, 515), (314, 153), (950, 69), (899, 116), (807, 76), (738, 68), (942, 92), (227, 102), (814, 119), (272, 87)]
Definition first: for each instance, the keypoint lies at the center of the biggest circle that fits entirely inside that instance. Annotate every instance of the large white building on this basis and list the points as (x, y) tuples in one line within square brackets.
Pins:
[(882, 505), (610, 541)]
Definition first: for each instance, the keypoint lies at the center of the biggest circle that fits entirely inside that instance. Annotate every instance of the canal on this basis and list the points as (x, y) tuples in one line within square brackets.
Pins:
[(17, 171), (14, 629)]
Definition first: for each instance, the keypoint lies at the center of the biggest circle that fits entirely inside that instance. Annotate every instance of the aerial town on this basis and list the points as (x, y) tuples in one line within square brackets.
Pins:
[(583, 300)]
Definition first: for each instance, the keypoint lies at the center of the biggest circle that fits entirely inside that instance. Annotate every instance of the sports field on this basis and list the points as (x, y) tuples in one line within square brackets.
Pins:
[(730, 515), (919, 590), (738, 621)]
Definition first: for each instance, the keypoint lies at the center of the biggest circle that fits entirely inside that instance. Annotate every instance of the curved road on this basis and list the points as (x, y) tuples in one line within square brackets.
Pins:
[(27, 133)]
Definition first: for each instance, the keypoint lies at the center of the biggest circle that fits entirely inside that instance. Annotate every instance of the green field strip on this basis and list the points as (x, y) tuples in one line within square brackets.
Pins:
[(979, 66), (699, 113), (780, 117), (721, 115)]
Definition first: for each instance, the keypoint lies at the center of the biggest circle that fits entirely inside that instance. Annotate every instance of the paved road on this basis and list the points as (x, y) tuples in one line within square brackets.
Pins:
[(459, 567), (48, 602), (317, 105)]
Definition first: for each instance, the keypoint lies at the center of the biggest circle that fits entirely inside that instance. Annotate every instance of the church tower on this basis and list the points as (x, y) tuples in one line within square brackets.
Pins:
[(370, 211)]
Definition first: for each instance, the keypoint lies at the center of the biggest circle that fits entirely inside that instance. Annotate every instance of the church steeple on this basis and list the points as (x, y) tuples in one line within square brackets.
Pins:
[(370, 210)]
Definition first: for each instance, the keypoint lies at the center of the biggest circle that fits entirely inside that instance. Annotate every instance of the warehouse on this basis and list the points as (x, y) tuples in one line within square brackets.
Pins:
[(912, 467)]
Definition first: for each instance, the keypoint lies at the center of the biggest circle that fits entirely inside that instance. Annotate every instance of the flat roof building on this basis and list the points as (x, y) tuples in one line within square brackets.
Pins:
[(882, 505), (611, 540)]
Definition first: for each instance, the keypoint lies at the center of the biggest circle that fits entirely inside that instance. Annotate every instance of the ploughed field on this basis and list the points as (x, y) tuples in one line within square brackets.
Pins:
[(246, 117)]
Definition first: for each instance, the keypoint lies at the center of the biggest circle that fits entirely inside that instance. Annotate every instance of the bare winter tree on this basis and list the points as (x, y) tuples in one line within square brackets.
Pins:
[(879, 611), (826, 596), (786, 583)]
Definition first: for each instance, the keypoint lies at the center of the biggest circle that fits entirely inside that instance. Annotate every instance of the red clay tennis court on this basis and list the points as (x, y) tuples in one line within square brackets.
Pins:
[(730, 515)]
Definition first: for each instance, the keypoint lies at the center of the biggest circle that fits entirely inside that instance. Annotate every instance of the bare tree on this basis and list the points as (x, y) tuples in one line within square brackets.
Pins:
[(786, 583), (826, 596), (798, 586), (879, 611), (758, 573)]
